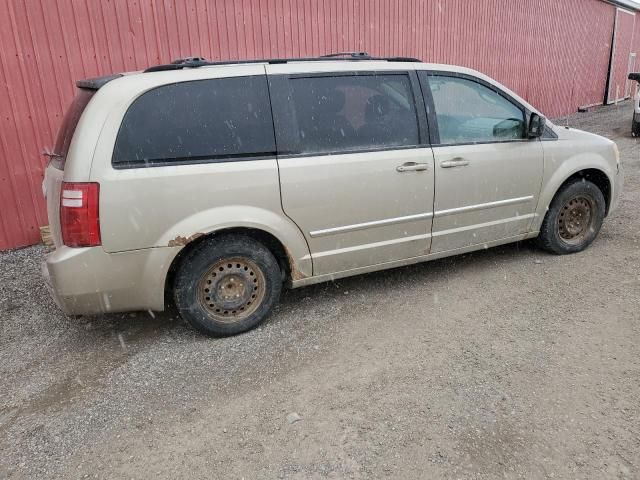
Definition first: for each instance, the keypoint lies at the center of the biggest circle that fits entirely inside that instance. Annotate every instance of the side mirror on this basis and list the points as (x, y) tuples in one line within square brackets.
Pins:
[(536, 125)]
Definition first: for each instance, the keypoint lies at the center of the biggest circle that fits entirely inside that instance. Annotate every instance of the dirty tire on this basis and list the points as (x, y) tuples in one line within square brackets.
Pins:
[(583, 204), (635, 127), (227, 285)]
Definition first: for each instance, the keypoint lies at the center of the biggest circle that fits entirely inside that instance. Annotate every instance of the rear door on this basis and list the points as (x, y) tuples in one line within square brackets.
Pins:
[(356, 170), (488, 175)]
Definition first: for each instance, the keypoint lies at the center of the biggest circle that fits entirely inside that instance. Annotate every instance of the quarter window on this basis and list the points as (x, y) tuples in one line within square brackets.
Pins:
[(351, 113), (469, 112), (201, 120)]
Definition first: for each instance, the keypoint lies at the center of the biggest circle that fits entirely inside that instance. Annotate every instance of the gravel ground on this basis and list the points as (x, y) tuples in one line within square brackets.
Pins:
[(505, 363)]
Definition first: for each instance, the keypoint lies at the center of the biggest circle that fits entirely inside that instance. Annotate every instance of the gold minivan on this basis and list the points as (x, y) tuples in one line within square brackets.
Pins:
[(215, 183)]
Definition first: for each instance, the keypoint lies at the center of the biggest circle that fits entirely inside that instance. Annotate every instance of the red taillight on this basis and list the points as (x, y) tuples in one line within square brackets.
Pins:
[(79, 219)]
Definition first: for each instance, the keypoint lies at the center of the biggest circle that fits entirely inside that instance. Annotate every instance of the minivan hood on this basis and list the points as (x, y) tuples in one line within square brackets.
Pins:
[(568, 133)]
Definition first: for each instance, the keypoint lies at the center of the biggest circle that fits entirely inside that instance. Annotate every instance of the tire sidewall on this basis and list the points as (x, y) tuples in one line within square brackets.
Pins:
[(198, 261), (578, 188)]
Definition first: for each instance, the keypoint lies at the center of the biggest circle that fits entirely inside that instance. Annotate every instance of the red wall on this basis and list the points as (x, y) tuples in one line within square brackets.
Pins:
[(553, 53)]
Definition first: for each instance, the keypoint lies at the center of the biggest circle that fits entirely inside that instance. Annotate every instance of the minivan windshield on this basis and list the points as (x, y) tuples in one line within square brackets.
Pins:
[(68, 127)]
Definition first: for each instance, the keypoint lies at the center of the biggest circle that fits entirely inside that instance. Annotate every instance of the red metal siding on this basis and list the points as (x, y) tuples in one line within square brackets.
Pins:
[(554, 53), (625, 25)]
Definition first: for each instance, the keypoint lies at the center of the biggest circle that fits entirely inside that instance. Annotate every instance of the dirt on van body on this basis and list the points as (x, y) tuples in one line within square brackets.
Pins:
[(505, 363)]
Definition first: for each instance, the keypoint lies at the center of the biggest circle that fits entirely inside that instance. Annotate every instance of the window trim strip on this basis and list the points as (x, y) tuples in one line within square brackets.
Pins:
[(352, 152), (241, 157)]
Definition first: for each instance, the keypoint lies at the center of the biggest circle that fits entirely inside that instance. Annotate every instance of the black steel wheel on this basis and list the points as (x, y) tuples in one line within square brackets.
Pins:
[(227, 285), (573, 219), (635, 125)]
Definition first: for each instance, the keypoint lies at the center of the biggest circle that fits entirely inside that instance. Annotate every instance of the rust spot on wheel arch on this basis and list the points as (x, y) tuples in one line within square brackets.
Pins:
[(295, 273), (182, 241)]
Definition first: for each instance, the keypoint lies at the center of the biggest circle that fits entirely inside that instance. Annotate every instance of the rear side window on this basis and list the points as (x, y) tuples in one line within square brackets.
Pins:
[(198, 121), (351, 113), (470, 112), (68, 127)]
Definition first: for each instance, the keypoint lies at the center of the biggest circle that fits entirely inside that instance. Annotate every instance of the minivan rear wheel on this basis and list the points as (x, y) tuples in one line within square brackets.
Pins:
[(227, 285), (573, 219)]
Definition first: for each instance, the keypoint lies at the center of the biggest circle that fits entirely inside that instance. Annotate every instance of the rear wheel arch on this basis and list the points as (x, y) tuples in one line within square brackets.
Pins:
[(272, 243)]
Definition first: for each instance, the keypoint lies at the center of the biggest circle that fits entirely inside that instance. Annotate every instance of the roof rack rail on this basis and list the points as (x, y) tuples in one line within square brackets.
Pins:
[(402, 59), (195, 62), (180, 61), (346, 54)]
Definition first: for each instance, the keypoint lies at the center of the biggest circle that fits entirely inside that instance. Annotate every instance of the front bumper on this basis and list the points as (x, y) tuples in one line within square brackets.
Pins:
[(617, 189), (90, 280)]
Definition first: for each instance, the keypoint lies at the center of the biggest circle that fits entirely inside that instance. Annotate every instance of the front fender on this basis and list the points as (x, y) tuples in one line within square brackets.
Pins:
[(559, 168)]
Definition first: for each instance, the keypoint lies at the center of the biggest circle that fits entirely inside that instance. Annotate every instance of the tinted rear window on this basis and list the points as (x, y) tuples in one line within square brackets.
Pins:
[(203, 120), (352, 113), (68, 127)]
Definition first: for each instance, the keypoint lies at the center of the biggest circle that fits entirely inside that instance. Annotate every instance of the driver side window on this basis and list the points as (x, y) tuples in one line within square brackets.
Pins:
[(469, 112)]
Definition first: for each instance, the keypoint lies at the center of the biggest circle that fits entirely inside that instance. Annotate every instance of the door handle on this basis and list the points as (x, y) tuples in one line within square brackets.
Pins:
[(454, 162), (412, 167)]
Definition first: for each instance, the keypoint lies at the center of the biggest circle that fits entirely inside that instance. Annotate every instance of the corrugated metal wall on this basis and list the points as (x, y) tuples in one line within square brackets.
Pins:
[(554, 53)]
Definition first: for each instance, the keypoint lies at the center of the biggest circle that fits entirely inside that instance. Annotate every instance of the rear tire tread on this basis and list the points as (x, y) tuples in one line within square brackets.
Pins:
[(196, 262)]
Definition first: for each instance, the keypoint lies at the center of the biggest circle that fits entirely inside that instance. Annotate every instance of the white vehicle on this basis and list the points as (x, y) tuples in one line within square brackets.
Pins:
[(635, 123)]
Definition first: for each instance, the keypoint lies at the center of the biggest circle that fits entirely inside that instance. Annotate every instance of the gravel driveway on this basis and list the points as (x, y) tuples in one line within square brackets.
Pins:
[(505, 363)]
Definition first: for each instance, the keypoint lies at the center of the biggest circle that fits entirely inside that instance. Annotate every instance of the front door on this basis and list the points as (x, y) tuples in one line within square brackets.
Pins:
[(488, 175), (356, 172)]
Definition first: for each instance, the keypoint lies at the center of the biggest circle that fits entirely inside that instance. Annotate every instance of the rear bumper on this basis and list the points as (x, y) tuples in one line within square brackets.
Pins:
[(90, 280)]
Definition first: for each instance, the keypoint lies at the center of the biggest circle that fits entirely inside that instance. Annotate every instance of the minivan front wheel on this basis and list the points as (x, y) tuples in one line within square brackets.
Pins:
[(573, 219), (635, 125), (227, 285)]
